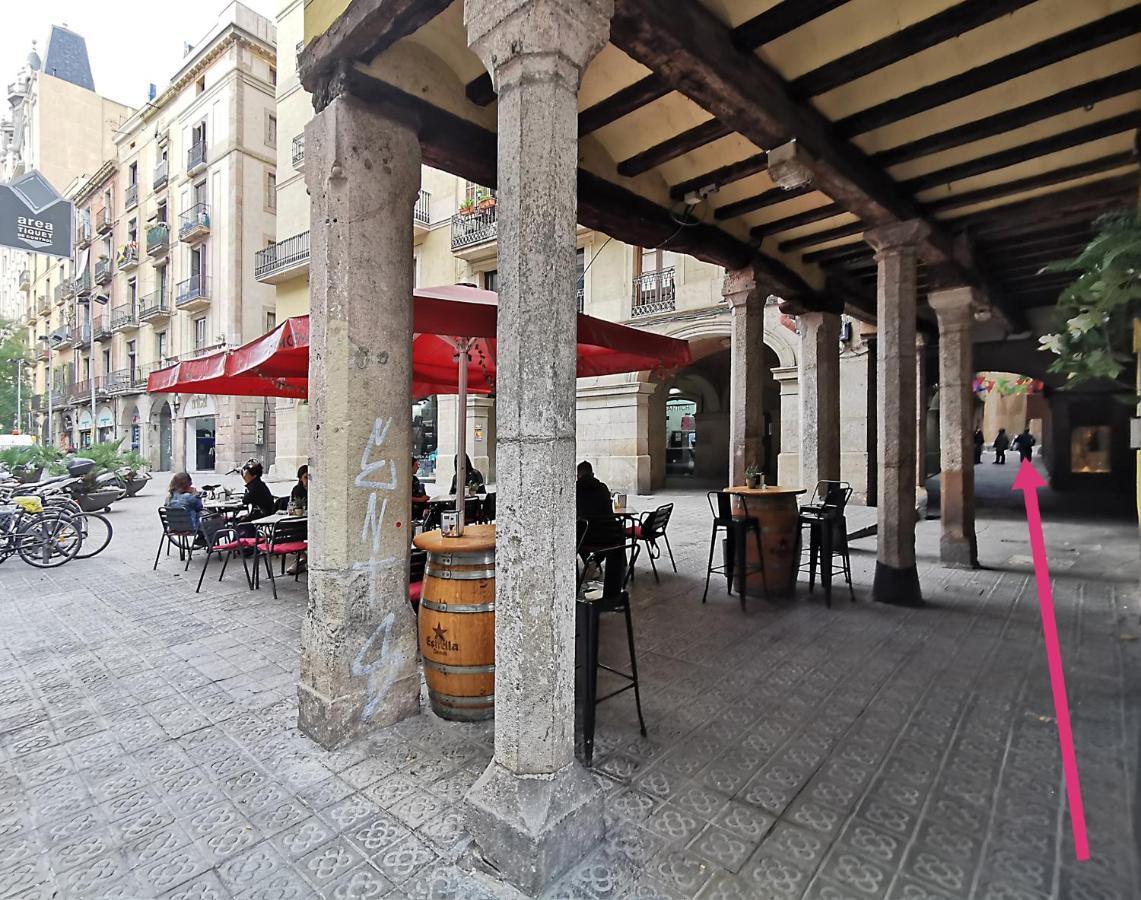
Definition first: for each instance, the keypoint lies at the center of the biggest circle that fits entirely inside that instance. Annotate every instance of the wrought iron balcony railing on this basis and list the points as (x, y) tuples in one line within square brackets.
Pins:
[(653, 293), (422, 212), (194, 223), (131, 196), (281, 257), (472, 228), (298, 153), (196, 157), (161, 174)]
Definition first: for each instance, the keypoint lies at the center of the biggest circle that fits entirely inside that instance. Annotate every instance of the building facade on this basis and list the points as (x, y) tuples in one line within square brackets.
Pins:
[(163, 271)]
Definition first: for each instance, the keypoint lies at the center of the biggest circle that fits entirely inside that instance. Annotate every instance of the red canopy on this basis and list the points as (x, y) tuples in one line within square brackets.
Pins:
[(277, 364)]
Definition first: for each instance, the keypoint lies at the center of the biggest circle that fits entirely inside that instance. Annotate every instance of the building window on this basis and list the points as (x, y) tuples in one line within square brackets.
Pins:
[(271, 191), (132, 231), (1090, 449), (133, 174), (270, 130), (106, 361), (270, 321), (273, 74), (491, 280), (160, 213), (199, 333), (132, 291), (160, 346)]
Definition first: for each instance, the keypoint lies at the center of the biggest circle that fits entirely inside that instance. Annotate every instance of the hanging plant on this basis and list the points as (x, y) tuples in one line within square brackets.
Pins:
[(1099, 308)]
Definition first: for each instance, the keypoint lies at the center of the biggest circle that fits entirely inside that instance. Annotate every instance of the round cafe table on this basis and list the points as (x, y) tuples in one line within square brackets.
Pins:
[(779, 515)]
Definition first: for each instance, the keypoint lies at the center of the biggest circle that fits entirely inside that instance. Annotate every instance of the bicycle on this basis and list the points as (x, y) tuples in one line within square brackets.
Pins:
[(42, 539)]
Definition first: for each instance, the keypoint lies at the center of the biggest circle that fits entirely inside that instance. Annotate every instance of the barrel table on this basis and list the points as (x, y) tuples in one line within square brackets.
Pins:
[(457, 622), (779, 514)]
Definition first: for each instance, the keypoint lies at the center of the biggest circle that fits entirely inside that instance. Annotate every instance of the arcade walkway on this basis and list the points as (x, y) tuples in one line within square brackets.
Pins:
[(148, 744)]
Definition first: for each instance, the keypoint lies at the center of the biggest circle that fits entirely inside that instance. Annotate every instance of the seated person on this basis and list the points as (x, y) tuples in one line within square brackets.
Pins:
[(257, 496), (182, 494), (299, 496), (603, 529), (419, 495), (475, 480)]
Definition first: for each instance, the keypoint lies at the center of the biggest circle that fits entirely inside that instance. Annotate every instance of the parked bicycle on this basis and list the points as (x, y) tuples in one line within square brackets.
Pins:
[(42, 537)]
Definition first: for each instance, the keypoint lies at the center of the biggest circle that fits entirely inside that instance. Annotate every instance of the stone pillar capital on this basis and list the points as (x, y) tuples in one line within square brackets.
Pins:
[(556, 37), (897, 237), (956, 299)]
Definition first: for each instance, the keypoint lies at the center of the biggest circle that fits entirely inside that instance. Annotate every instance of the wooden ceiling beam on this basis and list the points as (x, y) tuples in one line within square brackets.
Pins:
[(1033, 182), (929, 32), (1063, 140), (722, 175), (678, 145), (624, 102), (828, 211), (363, 30), (823, 237), (771, 197), (1093, 34), (1082, 95), (836, 254), (1078, 204), (786, 16)]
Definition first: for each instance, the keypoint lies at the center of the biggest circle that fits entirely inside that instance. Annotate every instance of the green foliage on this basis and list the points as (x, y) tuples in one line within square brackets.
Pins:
[(34, 456), (1098, 309), (110, 457), (11, 349)]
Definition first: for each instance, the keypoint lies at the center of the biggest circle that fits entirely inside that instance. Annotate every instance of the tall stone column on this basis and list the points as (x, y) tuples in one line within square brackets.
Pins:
[(746, 299), (921, 402), (819, 398), (535, 811), (896, 579), (359, 655), (955, 310), (788, 460)]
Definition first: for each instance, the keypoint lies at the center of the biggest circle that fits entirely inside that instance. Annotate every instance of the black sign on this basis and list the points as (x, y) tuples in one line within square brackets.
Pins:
[(35, 217)]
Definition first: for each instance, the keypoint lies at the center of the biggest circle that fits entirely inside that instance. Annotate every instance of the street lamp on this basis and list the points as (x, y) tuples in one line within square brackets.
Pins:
[(50, 341), (89, 300)]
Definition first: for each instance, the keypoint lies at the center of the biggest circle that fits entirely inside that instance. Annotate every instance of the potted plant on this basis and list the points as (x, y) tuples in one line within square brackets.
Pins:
[(753, 477), (467, 207), (485, 200)]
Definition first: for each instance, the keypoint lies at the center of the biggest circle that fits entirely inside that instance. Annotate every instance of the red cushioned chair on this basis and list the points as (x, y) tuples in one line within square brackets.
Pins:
[(285, 537), (651, 528), (224, 541)]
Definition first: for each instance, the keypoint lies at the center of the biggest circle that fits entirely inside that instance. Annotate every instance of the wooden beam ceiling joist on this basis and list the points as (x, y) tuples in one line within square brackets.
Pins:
[(786, 16), (1083, 95), (929, 32), (823, 237), (614, 107), (1078, 204), (1012, 156), (835, 254), (828, 211), (1033, 182), (722, 176), (1093, 34), (678, 145)]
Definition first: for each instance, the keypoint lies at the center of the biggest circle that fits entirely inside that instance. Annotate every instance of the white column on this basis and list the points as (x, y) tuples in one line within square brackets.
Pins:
[(535, 811), (788, 461), (819, 398), (896, 578), (955, 310), (746, 298), (359, 649)]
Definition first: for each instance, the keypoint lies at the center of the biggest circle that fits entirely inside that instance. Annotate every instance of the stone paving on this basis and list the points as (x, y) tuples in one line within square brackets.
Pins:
[(148, 744)]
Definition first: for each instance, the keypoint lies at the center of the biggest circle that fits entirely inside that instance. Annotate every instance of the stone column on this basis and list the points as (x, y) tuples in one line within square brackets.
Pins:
[(746, 299), (896, 579), (536, 811), (788, 460), (955, 309), (359, 650), (921, 402), (819, 398)]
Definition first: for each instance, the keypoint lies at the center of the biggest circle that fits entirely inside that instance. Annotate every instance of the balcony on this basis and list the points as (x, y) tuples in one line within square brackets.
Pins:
[(580, 296), (299, 151), (472, 230), (283, 260), (103, 220), (138, 378), (78, 335), (79, 391), (43, 305), (193, 294), (62, 291), (103, 270), (421, 213), (43, 354), (653, 293), (128, 257), (158, 241), (155, 307), (194, 224), (83, 234), (25, 280), (82, 284), (101, 326), (161, 174), (117, 382), (196, 158), (38, 402), (131, 199), (125, 317)]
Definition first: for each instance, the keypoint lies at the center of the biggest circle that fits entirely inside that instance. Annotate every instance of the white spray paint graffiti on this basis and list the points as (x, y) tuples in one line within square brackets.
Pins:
[(376, 475)]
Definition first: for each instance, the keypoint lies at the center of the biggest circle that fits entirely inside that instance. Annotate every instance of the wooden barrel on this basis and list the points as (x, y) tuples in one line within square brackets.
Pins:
[(777, 509), (457, 622)]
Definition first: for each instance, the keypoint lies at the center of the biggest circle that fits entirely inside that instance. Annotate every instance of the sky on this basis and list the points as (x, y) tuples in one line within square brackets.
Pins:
[(131, 43)]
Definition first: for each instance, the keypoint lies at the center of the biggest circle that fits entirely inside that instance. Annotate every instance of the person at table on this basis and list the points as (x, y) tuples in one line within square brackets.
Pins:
[(603, 528), (476, 483), (182, 494), (299, 495), (257, 498), (419, 495)]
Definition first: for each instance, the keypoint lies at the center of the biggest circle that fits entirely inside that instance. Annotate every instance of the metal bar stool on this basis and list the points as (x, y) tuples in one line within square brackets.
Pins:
[(737, 529), (827, 527)]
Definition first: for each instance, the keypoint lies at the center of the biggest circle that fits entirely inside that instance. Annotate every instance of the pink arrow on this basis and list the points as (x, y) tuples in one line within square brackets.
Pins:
[(1028, 481)]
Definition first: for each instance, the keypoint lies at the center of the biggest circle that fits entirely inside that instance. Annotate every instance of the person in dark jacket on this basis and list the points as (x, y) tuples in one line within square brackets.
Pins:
[(257, 496), (1001, 443), (475, 481), (979, 442), (603, 528), (1024, 443)]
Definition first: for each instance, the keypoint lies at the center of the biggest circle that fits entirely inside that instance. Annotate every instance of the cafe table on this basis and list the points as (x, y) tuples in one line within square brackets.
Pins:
[(779, 514), (276, 517)]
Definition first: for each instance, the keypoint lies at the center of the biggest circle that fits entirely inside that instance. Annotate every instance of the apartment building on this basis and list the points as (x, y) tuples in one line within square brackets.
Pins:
[(164, 269), (637, 432)]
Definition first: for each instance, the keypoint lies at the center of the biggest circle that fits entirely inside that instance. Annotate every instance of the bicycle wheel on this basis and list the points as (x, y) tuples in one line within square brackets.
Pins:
[(48, 541), (96, 531)]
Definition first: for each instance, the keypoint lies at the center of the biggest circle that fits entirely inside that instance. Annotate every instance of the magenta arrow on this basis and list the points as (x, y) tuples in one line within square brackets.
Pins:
[(1028, 481)]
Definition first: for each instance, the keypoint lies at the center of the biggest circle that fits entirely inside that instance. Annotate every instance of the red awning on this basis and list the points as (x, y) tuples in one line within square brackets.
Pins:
[(277, 363)]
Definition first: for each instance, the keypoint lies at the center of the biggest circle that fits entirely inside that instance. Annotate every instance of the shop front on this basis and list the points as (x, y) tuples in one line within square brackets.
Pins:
[(104, 425), (83, 422), (200, 418)]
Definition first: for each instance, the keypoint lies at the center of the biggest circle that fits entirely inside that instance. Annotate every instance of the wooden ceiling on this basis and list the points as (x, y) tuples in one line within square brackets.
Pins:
[(1009, 125)]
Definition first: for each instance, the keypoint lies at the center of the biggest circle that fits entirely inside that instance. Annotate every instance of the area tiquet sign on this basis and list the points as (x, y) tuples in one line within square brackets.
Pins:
[(35, 217)]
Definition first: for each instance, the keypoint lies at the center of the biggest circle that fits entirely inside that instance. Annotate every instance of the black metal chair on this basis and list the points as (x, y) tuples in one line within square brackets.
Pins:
[(823, 516), (615, 599), (651, 528), (737, 530), (223, 540), (417, 562), (177, 531), (285, 537)]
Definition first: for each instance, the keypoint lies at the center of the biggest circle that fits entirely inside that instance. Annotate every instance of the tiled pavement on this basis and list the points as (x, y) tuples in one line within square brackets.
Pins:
[(148, 743)]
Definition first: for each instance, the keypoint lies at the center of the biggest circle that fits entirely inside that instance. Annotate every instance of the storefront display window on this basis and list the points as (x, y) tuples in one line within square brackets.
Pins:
[(425, 436), (1089, 450)]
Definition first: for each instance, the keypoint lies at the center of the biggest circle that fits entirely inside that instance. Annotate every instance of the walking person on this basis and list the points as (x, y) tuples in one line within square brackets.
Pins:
[(1024, 443), (1001, 443), (979, 442)]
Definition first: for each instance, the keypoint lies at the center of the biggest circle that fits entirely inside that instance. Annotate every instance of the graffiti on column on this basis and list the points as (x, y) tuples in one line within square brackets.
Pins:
[(377, 475)]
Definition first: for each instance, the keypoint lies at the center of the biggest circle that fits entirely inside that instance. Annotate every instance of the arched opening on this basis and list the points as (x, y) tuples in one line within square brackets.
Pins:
[(165, 438), (131, 429)]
